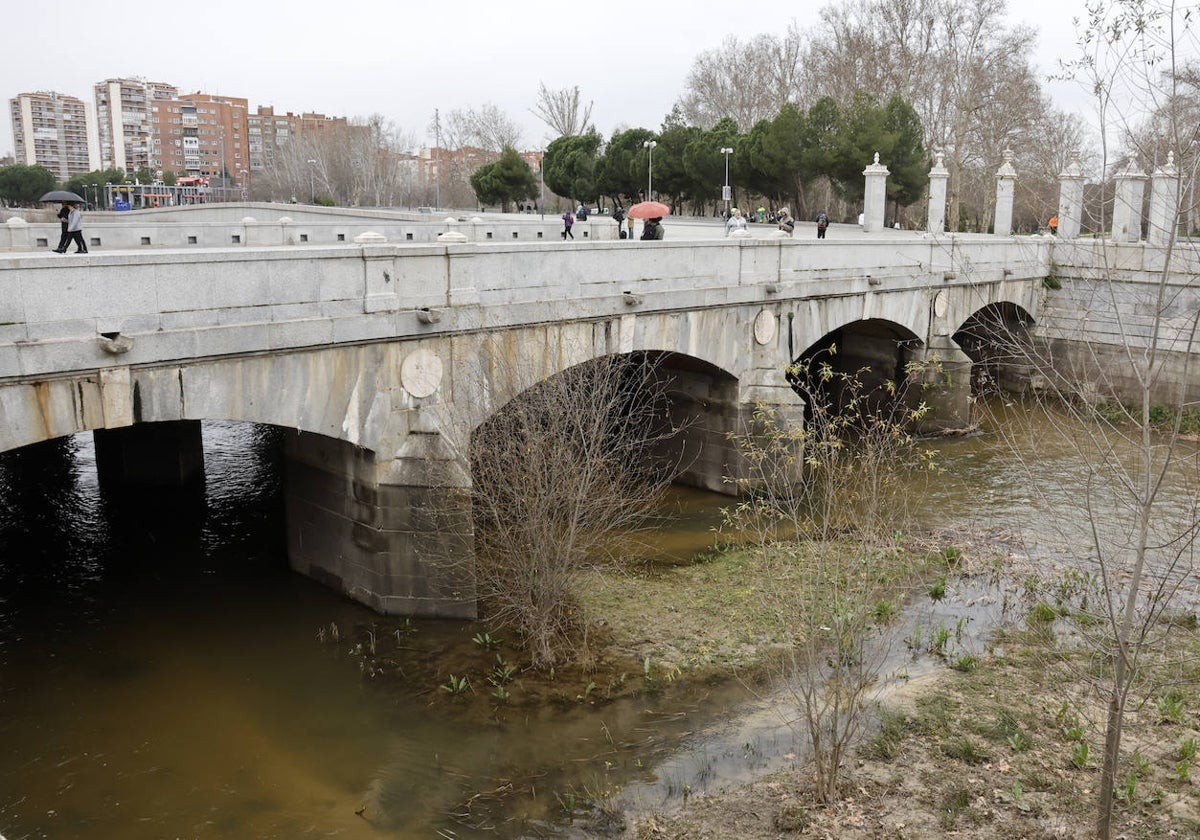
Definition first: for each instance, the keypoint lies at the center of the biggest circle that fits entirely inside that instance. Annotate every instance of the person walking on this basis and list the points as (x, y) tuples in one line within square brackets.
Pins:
[(736, 222), (75, 230), (823, 223), (619, 217), (64, 237), (786, 223), (568, 220), (1053, 225), (653, 229), (629, 224)]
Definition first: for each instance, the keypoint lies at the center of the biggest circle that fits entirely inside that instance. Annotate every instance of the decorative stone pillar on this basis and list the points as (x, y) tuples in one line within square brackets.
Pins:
[(1070, 199), (1164, 203), (1127, 208), (1005, 180), (875, 196), (938, 176)]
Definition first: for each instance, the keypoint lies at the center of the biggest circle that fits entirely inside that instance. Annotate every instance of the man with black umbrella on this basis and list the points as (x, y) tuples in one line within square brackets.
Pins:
[(64, 237)]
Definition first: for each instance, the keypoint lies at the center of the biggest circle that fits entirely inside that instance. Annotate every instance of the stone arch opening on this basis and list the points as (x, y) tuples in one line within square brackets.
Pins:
[(874, 351), (998, 340)]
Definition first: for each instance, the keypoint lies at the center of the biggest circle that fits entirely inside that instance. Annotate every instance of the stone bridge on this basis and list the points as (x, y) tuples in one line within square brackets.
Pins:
[(382, 357)]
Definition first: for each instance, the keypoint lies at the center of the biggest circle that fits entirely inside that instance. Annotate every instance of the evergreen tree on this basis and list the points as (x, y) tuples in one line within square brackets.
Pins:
[(569, 166), (507, 179)]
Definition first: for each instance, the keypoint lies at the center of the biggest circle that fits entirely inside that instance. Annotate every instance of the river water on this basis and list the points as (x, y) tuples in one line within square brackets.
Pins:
[(163, 674)]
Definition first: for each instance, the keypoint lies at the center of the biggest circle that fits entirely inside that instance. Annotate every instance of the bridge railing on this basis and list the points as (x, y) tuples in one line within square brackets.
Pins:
[(146, 230)]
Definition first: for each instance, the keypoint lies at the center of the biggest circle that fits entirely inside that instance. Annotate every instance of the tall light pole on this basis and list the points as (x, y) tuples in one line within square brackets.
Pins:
[(245, 182), (725, 193), (650, 144), (312, 183)]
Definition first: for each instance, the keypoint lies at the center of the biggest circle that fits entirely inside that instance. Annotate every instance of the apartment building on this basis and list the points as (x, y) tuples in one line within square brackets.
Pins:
[(201, 135), (123, 112), (269, 132), (50, 129)]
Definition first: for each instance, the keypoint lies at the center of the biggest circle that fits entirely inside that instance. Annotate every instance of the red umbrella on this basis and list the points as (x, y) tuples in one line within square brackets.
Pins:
[(649, 210)]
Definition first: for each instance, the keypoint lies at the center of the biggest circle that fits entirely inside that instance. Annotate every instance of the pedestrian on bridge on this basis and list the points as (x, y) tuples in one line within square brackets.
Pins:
[(64, 237), (75, 229), (736, 222), (823, 223), (568, 220)]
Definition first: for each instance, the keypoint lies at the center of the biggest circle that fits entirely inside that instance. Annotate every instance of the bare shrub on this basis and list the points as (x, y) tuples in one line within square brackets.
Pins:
[(565, 475)]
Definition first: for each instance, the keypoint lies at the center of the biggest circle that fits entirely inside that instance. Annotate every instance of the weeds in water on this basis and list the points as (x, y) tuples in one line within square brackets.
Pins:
[(587, 692), (371, 641), (885, 611), (939, 640), (457, 686), (502, 672), (405, 629), (501, 695), (1042, 613), (951, 556), (485, 641), (937, 591)]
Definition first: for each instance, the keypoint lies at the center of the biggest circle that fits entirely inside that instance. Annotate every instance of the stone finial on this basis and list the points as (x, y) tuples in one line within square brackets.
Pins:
[(370, 237), (1006, 168), (1073, 170), (16, 221), (876, 162), (452, 236), (1168, 169)]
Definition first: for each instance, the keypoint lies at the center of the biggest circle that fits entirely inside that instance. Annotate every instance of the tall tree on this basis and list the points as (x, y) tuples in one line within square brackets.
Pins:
[(21, 184), (563, 110), (569, 166), (703, 162), (615, 170)]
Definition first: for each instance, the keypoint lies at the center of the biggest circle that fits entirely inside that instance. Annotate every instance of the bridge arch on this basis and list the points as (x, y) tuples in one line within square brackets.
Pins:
[(998, 339)]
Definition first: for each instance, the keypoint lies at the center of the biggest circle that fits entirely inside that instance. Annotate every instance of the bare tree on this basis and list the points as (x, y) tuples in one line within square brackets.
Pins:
[(563, 110), (563, 476), (718, 86), (1117, 396), (824, 501), (965, 72), (361, 163)]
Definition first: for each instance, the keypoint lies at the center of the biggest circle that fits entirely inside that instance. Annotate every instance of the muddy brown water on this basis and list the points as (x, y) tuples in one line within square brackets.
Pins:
[(161, 674)]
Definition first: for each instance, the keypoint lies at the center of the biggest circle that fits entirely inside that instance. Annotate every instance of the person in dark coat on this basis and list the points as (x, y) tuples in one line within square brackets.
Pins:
[(64, 238), (653, 229)]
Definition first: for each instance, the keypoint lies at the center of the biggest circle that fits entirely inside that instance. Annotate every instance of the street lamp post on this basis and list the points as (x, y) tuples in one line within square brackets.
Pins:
[(312, 183), (244, 175), (650, 144), (725, 193)]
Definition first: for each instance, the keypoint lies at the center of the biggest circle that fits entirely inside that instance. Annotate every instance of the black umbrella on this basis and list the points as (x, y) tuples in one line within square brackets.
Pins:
[(62, 195)]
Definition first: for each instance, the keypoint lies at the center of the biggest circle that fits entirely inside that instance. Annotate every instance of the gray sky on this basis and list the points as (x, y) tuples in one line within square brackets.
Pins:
[(403, 58)]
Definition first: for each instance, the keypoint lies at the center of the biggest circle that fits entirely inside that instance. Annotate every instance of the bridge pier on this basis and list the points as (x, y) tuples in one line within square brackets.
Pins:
[(164, 454), (394, 535), (946, 385)]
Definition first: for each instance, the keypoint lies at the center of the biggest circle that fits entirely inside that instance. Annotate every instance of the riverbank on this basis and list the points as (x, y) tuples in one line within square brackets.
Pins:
[(1003, 744), (998, 734)]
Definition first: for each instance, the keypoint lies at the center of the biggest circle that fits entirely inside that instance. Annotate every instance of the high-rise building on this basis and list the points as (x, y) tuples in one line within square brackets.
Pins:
[(51, 130), (123, 109)]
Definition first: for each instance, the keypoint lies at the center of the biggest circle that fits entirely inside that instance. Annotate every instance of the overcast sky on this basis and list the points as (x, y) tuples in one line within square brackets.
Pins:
[(403, 58)]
